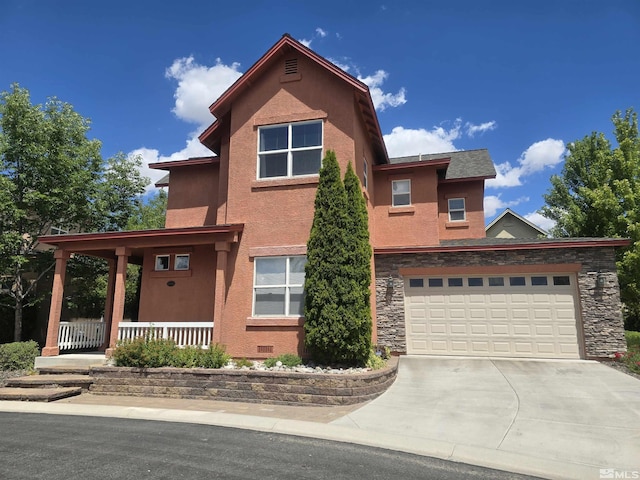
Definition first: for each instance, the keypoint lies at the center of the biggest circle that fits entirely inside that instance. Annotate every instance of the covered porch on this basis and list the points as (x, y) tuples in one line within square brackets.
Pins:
[(184, 281)]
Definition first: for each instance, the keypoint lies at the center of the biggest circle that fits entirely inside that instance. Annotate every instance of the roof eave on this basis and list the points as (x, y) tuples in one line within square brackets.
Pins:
[(623, 242)]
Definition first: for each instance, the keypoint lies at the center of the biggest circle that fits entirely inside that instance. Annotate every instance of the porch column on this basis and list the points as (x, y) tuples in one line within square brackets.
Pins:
[(222, 251), (51, 348), (108, 304), (118, 296)]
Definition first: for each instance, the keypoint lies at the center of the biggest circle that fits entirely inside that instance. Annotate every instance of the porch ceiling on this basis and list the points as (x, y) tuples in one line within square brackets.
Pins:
[(104, 244)]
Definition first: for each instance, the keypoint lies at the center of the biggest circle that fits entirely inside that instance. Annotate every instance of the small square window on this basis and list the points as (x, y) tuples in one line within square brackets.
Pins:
[(475, 282), (162, 262), (454, 282), (182, 262), (496, 281), (400, 193), (436, 282), (538, 281), (517, 281), (457, 210), (416, 282), (561, 280)]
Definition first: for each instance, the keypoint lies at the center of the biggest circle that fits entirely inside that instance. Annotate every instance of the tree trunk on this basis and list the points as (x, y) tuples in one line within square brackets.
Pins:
[(17, 323)]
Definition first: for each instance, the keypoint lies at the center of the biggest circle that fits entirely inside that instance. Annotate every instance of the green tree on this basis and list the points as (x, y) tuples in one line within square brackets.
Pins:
[(149, 214), (53, 175), (359, 254), (333, 331), (598, 195)]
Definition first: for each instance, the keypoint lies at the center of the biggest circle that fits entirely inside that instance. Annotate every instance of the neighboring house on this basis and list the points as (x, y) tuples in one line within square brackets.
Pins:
[(233, 251), (511, 225)]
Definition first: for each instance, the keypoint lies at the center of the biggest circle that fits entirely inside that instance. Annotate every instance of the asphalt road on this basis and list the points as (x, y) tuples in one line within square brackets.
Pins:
[(57, 447)]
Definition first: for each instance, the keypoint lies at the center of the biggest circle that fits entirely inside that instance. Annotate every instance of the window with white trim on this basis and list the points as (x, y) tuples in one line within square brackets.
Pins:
[(278, 286), (400, 193), (162, 262), (290, 150), (181, 262), (58, 231), (457, 211), (365, 173)]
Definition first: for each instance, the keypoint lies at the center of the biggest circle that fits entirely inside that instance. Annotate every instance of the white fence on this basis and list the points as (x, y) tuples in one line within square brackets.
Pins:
[(80, 335), (183, 333)]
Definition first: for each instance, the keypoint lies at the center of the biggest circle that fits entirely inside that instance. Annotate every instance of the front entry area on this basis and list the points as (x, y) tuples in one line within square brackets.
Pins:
[(507, 315)]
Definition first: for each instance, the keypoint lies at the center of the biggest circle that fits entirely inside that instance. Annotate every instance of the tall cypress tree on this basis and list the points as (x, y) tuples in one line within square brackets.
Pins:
[(328, 329), (359, 263)]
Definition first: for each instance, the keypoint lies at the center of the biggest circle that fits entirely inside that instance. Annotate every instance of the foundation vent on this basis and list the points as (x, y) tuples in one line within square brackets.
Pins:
[(291, 66), (265, 348)]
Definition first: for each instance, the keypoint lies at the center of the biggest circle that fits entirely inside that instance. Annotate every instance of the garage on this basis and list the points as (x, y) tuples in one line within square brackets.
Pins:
[(501, 315)]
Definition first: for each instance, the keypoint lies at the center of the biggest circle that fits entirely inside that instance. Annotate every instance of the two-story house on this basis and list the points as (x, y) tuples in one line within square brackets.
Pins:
[(232, 252)]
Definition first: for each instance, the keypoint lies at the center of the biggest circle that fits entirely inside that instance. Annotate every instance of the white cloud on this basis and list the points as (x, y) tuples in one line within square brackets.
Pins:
[(539, 156), (543, 222), (483, 127), (305, 42), (199, 86), (494, 204), (193, 148), (340, 64), (382, 100), (406, 141), (320, 32)]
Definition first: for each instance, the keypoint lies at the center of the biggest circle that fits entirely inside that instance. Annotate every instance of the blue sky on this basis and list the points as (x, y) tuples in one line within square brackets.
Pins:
[(520, 78)]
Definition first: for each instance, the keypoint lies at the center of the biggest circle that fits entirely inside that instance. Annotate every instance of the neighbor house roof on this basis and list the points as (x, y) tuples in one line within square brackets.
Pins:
[(509, 212), (361, 91), (463, 164)]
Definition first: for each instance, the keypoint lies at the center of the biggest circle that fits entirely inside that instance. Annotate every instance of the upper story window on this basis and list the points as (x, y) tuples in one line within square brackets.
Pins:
[(278, 286), (365, 173), (400, 193), (456, 210), (58, 231), (162, 262), (290, 150), (182, 262)]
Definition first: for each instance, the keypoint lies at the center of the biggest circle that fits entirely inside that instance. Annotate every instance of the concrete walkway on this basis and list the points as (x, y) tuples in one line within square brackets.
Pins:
[(555, 419)]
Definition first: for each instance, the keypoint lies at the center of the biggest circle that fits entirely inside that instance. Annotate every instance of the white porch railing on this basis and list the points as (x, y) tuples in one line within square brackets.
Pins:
[(80, 335), (183, 333)]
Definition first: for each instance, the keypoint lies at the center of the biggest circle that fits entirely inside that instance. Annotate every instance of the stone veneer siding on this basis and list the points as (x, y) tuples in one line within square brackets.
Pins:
[(600, 321)]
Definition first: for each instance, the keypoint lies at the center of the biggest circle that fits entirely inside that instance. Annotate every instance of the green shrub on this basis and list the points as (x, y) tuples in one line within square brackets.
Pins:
[(287, 359), (243, 362), (633, 339), (376, 360), (214, 357), (18, 355), (147, 352)]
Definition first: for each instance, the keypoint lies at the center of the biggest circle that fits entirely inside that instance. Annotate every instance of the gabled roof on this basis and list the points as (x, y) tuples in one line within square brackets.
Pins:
[(509, 212), (463, 164), (286, 44)]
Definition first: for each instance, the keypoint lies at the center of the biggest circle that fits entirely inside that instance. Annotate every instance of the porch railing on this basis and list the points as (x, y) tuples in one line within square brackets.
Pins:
[(183, 333), (80, 335)]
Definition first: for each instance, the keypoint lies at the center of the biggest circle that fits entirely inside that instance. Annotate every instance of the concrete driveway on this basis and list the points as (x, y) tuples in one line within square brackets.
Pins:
[(572, 416)]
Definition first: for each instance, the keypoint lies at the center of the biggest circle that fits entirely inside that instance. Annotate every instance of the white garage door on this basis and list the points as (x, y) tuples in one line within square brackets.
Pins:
[(492, 315)]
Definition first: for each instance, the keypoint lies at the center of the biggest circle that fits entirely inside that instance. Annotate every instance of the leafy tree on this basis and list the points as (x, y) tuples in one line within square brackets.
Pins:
[(150, 214), (359, 254), (52, 175), (333, 328), (598, 195)]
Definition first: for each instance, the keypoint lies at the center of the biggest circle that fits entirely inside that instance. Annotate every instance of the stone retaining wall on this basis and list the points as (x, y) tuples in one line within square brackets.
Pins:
[(244, 385)]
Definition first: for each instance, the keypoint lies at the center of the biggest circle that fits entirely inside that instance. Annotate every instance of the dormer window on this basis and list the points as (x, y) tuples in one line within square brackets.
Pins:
[(289, 150)]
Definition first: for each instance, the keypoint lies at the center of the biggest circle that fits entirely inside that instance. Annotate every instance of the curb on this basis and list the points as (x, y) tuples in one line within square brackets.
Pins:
[(472, 455)]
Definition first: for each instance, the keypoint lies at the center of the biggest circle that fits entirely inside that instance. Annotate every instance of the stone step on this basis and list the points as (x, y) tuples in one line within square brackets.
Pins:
[(61, 380), (38, 394), (64, 370)]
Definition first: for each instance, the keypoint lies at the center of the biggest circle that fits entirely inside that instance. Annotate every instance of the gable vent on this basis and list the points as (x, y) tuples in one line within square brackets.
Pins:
[(291, 66)]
